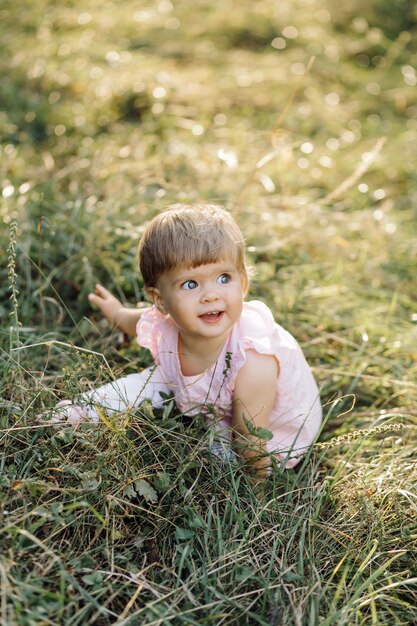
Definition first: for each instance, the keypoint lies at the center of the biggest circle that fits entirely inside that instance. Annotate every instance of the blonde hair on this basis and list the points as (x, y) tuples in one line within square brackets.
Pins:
[(189, 236)]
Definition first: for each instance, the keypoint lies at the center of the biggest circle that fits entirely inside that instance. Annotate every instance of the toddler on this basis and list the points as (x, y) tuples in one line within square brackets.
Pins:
[(216, 354)]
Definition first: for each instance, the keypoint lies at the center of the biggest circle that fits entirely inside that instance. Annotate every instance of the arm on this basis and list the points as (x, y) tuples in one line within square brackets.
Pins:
[(253, 398), (119, 316)]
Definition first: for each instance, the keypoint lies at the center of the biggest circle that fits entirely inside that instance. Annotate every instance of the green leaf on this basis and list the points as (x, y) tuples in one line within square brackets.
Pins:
[(93, 579), (291, 577), (183, 533), (243, 573), (144, 489), (264, 433), (165, 396), (258, 431), (90, 484), (162, 482), (129, 492), (82, 562), (167, 410)]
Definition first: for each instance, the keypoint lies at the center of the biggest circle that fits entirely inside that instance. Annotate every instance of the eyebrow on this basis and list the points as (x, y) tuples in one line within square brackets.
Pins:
[(189, 274), (183, 278)]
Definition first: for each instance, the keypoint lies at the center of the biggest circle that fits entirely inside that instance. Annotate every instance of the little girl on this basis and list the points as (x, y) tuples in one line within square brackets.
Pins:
[(217, 354)]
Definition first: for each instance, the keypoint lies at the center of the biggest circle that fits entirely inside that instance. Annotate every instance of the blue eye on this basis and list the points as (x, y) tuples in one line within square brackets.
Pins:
[(223, 279), (189, 284)]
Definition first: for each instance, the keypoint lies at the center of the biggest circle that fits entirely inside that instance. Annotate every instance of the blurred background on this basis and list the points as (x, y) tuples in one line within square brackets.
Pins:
[(300, 116)]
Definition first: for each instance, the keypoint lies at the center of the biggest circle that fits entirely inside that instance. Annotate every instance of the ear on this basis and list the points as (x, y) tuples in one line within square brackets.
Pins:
[(155, 297), (245, 282)]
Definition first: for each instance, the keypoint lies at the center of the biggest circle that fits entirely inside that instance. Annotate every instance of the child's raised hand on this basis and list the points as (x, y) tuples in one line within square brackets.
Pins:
[(108, 304), (119, 316)]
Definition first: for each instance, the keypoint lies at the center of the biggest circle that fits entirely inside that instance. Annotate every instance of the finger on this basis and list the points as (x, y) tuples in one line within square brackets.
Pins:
[(102, 291), (94, 299)]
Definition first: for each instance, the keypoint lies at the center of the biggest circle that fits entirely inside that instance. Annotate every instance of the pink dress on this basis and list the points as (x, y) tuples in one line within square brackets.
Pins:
[(296, 415)]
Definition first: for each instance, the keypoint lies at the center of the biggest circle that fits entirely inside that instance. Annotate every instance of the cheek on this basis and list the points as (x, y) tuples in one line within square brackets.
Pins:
[(238, 294), (183, 305)]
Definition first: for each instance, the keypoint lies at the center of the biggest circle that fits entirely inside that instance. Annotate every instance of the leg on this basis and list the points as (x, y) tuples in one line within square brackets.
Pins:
[(115, 397), (220, 442)]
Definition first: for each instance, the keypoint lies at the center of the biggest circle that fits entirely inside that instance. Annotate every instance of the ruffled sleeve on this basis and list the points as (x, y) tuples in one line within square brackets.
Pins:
[(148, 331), (257, 330)]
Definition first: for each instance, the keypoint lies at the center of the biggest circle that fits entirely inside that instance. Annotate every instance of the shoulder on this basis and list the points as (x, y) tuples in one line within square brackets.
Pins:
[(259, 371), (149, 321), (151, 327), (258, 330), (254, 314)]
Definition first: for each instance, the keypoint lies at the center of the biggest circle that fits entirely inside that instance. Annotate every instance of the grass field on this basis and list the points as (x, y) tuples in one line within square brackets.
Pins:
[(301, 117)]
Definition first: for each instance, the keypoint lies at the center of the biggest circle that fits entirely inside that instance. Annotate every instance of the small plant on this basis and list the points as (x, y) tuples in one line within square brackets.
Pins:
[(14, 292)]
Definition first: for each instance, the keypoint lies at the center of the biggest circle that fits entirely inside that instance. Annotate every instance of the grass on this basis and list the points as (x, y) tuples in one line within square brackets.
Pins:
[(299, 117)]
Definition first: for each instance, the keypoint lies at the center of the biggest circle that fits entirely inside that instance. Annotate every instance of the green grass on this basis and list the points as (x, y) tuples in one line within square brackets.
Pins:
[(110, 112)]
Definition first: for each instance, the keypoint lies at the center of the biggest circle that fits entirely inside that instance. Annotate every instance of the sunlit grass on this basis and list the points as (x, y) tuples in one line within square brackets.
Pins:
[(110, 113)]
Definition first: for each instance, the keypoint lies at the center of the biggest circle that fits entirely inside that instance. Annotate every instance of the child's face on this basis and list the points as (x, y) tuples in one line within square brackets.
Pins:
[(203, 301)]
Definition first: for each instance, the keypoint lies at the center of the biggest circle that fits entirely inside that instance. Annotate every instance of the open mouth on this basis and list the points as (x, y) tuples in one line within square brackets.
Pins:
[(212, 317)]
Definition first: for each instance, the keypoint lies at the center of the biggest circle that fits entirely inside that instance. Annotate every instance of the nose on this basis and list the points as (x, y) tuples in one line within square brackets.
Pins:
[(209, 295)]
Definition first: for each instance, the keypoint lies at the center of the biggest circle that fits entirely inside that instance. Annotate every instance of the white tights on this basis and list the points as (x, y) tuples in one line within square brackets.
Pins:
[(129, 392), (117, 396)]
